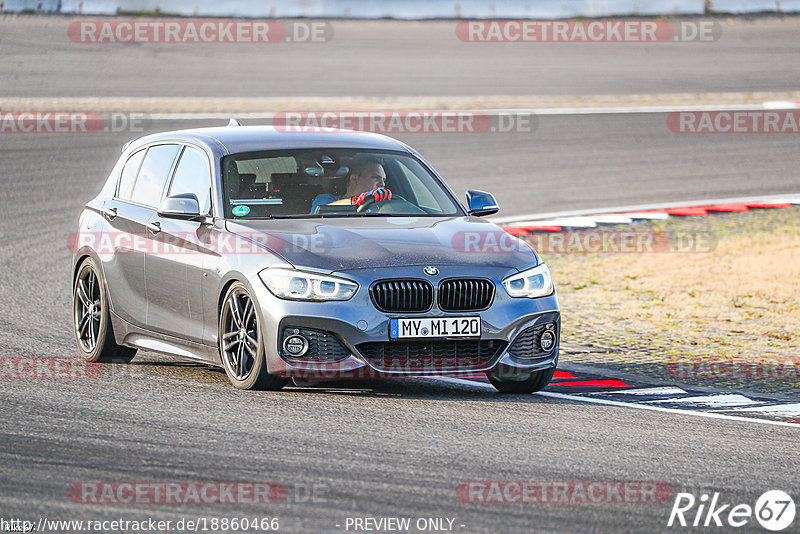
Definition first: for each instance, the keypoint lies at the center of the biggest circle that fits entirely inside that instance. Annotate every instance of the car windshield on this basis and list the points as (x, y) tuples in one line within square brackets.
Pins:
[(322, 182)]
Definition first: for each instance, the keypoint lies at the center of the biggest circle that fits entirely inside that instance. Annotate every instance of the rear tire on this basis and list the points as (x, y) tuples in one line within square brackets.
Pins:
[(92, 318), (241, 348), (507, 379)]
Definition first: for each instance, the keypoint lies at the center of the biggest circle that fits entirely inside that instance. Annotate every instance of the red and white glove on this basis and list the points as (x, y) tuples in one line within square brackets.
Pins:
[(380, 194)]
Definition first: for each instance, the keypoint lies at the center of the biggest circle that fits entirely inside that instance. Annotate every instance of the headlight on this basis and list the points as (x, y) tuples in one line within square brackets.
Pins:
[(298, 285), (532, 283)]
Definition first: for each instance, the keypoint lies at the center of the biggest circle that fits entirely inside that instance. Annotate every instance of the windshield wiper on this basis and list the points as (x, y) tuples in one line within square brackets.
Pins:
[(295, 216)]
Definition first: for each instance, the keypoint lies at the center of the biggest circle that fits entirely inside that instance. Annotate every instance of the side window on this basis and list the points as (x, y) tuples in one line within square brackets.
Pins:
[(193, 175), (128, 177), (153, 174)]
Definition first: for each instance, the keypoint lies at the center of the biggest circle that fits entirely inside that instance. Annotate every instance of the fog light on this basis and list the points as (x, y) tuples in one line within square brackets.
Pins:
[(547, 340), (295, 345)]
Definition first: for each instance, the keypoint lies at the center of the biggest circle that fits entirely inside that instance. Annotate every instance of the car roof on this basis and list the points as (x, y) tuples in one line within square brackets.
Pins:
[(234, 139)]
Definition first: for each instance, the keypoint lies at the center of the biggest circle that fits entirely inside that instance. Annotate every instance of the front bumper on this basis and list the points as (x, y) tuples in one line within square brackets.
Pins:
[(357, 322)]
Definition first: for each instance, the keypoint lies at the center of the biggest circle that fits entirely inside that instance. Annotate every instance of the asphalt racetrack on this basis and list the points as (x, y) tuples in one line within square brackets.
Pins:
[(393, 58), (399, 448)]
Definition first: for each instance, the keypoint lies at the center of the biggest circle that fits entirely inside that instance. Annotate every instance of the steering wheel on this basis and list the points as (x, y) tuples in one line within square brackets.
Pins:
[(369, 202)]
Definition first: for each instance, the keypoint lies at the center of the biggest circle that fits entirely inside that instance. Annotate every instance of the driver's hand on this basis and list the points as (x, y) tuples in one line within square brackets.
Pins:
[(380, 194)]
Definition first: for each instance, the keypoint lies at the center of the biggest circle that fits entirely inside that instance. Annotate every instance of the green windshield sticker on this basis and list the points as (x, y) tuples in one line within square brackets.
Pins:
[(240, 211)]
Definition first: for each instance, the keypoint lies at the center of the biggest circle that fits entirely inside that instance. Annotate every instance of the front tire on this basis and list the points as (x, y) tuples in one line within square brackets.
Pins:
[(241, 348), (92, 318), (507, 379)]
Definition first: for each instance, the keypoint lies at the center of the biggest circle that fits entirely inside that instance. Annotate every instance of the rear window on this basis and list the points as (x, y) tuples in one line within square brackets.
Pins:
[(153, 174), (128, 177)]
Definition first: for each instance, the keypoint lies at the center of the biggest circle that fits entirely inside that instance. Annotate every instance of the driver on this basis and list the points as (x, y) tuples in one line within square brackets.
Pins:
[(366, 178)]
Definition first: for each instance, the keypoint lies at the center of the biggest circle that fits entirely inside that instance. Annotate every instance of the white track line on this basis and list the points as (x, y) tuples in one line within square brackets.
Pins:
[(532, 223), (562, 396), (647, 215), (570, 222), (573, 350), (612, 219), (612, 110), (536, 218), (495, 112), (781, 104), (713, 401), (667, 390), (789, 410)]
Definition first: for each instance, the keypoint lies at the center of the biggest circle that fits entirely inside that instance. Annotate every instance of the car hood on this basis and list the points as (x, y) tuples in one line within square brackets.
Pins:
[(344, 243)]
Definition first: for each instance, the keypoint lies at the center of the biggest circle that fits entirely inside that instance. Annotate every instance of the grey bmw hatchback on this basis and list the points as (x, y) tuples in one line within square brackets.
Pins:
[(309, 256)]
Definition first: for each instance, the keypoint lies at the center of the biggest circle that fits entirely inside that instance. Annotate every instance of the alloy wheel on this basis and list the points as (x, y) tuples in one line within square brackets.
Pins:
[(88, 309), (240, 334)]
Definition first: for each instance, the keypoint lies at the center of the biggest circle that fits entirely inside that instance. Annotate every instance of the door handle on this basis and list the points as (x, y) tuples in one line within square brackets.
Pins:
[(110, 213), (154, 227)]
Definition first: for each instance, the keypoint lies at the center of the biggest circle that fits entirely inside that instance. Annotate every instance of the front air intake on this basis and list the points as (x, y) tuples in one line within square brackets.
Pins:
[(465, 294), (402, 295)]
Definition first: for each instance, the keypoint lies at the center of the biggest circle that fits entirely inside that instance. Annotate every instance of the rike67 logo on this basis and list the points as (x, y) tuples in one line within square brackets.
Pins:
[(774, 510)]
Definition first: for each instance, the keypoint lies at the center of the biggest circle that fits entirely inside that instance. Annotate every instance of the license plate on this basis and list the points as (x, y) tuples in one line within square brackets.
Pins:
[(435, 327)]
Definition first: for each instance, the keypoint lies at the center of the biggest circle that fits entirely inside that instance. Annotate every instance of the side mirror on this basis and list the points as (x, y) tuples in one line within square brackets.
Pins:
[(480, 203), (184, 206)]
